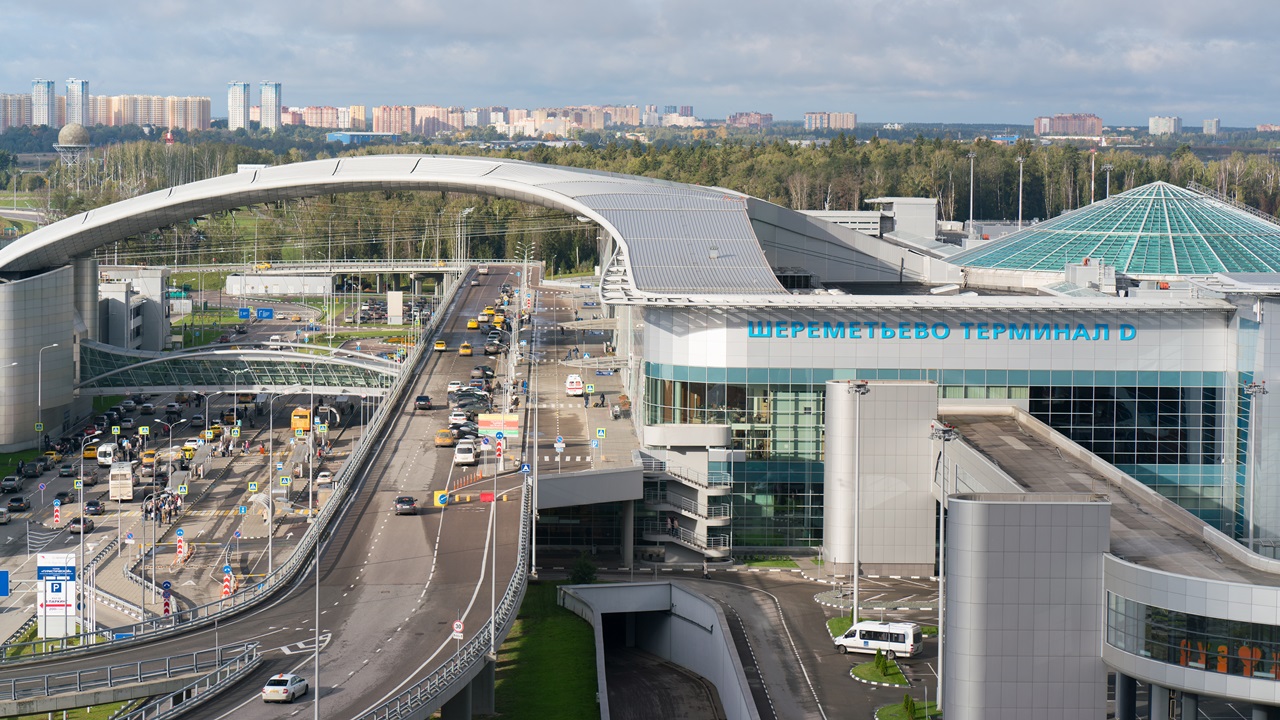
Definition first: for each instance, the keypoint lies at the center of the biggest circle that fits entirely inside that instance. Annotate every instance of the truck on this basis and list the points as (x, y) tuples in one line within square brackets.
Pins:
[(120, 488)]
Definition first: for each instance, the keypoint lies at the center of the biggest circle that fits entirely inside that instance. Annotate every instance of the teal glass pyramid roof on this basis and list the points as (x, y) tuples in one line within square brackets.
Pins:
[(1153, 230)]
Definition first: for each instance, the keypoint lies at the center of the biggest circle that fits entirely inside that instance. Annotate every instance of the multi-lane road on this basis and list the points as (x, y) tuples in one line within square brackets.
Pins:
[(390, 587)]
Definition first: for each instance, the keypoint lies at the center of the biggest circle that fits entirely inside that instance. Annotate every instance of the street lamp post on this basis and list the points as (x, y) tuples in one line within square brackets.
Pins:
[(80, 585), (40, 388), (946, 434), (271, 454), (1021, 160), (1107, 168), (1253, 390), (169, 451), (860, 388), (971, 156)]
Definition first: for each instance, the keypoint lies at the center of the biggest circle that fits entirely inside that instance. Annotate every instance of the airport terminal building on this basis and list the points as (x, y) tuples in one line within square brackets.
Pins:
[(1085, 400)]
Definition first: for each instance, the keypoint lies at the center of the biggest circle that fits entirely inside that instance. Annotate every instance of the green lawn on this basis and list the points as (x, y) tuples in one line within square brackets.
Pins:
[(101, 712), (896, 712), (838, 625), (774, 563), (867, 671), (547, 666)]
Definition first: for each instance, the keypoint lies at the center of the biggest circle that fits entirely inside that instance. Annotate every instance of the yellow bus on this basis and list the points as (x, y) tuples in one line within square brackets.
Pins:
[(300, 419)]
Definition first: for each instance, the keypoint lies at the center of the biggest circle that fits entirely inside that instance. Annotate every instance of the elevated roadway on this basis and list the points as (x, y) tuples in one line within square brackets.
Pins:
[(390, 587)]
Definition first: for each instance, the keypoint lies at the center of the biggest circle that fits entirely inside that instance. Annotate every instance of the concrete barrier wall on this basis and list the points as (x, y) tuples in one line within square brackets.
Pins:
[(676, 624)]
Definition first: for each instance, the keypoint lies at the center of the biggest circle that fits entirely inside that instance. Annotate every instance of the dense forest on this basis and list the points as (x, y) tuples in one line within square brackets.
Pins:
[(839, 175)]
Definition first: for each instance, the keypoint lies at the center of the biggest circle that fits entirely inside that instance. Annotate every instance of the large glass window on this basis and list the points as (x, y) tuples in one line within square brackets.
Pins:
[(1193, 641)]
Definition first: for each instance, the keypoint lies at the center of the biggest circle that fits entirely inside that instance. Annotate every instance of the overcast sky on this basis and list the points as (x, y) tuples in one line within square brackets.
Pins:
[(888, 60)]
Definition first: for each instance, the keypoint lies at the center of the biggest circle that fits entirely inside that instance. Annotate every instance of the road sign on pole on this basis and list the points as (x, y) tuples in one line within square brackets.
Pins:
[(526, 468), (457, 629)]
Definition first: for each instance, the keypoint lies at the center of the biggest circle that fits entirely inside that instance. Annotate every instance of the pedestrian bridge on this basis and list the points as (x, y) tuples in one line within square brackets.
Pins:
[(109, 370)]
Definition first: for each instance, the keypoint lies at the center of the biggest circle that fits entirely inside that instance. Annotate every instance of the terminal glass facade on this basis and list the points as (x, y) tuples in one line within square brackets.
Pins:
[(1164, 428), (1207, 643)]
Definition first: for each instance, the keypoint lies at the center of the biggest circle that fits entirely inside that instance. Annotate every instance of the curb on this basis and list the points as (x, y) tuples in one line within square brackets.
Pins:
[(880, 684)]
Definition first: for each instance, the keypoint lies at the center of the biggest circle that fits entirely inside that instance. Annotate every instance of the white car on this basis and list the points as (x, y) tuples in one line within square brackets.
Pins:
[(324, 477), (458, 416), (284, 687), (464, 453), (453, 385)]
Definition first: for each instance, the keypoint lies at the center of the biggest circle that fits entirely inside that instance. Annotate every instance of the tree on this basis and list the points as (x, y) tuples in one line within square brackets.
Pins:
[(583, 571)]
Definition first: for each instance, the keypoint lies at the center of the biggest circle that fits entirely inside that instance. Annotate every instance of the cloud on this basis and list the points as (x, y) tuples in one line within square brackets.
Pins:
[(926, 60)]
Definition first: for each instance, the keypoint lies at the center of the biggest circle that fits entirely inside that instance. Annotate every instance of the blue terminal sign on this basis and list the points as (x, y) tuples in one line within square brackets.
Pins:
[(1031, 332)]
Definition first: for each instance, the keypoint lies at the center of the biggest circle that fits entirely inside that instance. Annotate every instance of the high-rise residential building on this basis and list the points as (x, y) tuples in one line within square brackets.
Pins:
[(187, 113), (1212, 126), (1076, 124), (686, 111), (752, 119), (1161, 125), (668, 109), (78, 102), (396, 119), (270, 91), (44, 103), (238, 103), (359, 117), (15, 111)]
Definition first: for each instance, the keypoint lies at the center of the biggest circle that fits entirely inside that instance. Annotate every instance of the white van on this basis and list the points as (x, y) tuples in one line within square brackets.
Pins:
[(107, 454), (893, 639), (464, 453), (273, 342), (573, 385), (482, 270)]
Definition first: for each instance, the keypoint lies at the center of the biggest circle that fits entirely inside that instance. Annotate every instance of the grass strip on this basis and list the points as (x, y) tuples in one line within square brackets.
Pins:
[(547, 666)]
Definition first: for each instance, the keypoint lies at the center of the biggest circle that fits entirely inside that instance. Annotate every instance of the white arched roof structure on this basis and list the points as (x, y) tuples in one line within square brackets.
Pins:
[(673, 238)]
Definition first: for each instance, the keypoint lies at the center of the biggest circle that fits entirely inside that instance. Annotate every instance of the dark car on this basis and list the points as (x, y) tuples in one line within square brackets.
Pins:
[(80, 525), (405, 505), (422, 402), (94, 507), (32, 469), (67, 470), (64, 497), (224, 338), (486, 371), (466, 430), (18, 503)]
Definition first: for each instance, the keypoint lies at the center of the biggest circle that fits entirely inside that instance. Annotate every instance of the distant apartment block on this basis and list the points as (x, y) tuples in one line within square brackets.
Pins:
[(44, 103), (396, 119), (238, 104), (830, 121), (753, 120), (271, 104), (1076, 124), (359, 117), (78, 102), (185, 113), (686, 111), (15, 111), (1160, 125), (1268, 128), (1212, 126)]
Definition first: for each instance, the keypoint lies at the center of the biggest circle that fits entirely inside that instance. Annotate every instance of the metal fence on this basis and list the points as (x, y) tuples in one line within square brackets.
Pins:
[(253, 594), (79, 681)]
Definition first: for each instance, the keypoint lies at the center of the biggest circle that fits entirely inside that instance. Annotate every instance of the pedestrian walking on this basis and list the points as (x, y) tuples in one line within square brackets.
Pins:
[(586, 401)]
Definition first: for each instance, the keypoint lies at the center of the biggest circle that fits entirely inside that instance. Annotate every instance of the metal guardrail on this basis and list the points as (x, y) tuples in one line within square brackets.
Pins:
[(185, 620), (686, 536), (197, 693), (701, 479), (431, 691), (654, 496), (1193, 185), (80, 681)]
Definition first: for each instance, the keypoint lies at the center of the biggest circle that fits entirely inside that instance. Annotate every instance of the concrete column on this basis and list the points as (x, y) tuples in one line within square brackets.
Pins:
[(1126, 697), (459, 706), (838, 480), (628, 533), (1158, 702), (1262, 712), (481, 689), (1190, 706), (85, 274)]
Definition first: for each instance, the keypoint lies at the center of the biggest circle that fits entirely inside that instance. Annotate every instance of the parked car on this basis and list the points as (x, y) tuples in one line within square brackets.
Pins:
[(405, 505), (465, 453), (32, 469), (459, 417), (445, 438)]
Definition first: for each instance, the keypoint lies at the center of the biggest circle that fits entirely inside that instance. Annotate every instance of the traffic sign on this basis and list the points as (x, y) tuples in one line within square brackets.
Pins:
[(500, 443), (457, 629), (299, 433), (182, 489), (559, 440), (128, 536), (39, 427), (78, 484), (559, 447), (285, 480), (266, 314), (43, 486), (499, 435), (279, 466), (526, 469), (179, 532), (208, 434), (56, 503), (595, 443), (235, 432), (440, 499), (253, 487), (322, 427), (166, 594), (243, 509), (591, 389), (115, 429), (164, 585), (238, 532), (226, 569), (245, 313), (484, 441), (599, 433), (144, 430)]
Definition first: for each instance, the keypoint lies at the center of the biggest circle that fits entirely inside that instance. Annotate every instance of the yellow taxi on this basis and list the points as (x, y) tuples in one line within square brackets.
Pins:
[(90, 452), (295, 318), (54, 456), (216, 429), (149, 457), (464, 349), (441, 346), (489, 311), (473, 324), (499, 318), (445, 438), (262, 266)]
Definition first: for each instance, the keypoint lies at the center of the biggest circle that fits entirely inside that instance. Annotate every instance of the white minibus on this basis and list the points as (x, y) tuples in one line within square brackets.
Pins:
[(891, 638)]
